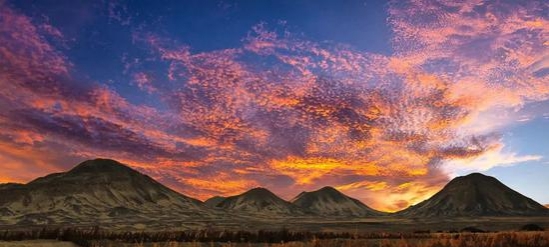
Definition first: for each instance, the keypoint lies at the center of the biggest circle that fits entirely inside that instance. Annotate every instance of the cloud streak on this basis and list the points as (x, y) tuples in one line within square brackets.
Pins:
[(282, 111)]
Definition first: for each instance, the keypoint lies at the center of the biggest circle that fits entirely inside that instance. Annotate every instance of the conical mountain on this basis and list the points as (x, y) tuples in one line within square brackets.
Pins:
[(91, 191), (476, 195), (212, 202), (330, 202), (259, 201)]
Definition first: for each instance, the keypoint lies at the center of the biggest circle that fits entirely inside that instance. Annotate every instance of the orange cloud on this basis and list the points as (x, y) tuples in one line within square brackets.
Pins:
[(284, 112), (391, 197), (307, 170), (364, 185)]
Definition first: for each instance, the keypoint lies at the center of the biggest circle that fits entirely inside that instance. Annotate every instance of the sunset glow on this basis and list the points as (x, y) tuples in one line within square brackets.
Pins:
[(221, 101)]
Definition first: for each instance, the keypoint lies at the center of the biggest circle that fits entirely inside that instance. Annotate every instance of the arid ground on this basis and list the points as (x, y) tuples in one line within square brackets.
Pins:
[(526, 239)]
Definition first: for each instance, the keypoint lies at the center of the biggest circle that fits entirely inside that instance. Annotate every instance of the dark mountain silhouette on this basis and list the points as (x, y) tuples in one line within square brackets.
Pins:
[(476, 195), (259, 201), (330, 202), (212, 202), (93, 190)]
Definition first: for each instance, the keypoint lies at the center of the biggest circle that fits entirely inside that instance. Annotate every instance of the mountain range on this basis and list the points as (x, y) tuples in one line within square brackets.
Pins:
[(104, 191)]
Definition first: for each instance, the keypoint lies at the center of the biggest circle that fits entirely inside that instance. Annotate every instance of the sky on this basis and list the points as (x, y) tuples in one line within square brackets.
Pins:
[(386, 101)]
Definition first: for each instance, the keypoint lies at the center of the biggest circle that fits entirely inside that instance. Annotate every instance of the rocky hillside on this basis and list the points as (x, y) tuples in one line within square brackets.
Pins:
[(212, 202), (94, 190), (330, 202), (259, 201), (476, 195)]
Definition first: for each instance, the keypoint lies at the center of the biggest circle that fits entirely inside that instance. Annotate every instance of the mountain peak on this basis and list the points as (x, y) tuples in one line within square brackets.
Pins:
[(326, 191), (330, 201), (476, 175), (476, 195), (330, 190), (259, 190), (101, 166), (95, 188), (93, 170), (259, 200), (472, 179), (260, 193), (213, 201), (327, 188)]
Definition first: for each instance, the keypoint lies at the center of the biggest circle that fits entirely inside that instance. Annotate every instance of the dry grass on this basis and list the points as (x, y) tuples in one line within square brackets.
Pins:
[(501, 239), (96, 238)]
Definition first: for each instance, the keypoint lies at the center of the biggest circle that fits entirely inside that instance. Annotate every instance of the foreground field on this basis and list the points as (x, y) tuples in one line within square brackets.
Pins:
[(308, 224), (37, 243), (501, 239)]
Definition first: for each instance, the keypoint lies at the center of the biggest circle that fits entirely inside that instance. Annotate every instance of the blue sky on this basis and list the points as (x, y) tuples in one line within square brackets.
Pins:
[(384, 100), (529, 178)]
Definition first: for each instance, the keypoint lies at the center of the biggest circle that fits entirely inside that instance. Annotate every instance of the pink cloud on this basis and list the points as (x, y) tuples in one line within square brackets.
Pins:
[(282, 111), (144, 82)]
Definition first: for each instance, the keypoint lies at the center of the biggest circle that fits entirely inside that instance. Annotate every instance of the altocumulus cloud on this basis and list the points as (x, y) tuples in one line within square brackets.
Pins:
[(282, 111)]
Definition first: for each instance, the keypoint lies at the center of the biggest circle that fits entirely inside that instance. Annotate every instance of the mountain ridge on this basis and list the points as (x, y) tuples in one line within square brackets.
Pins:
[(106, 191)]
